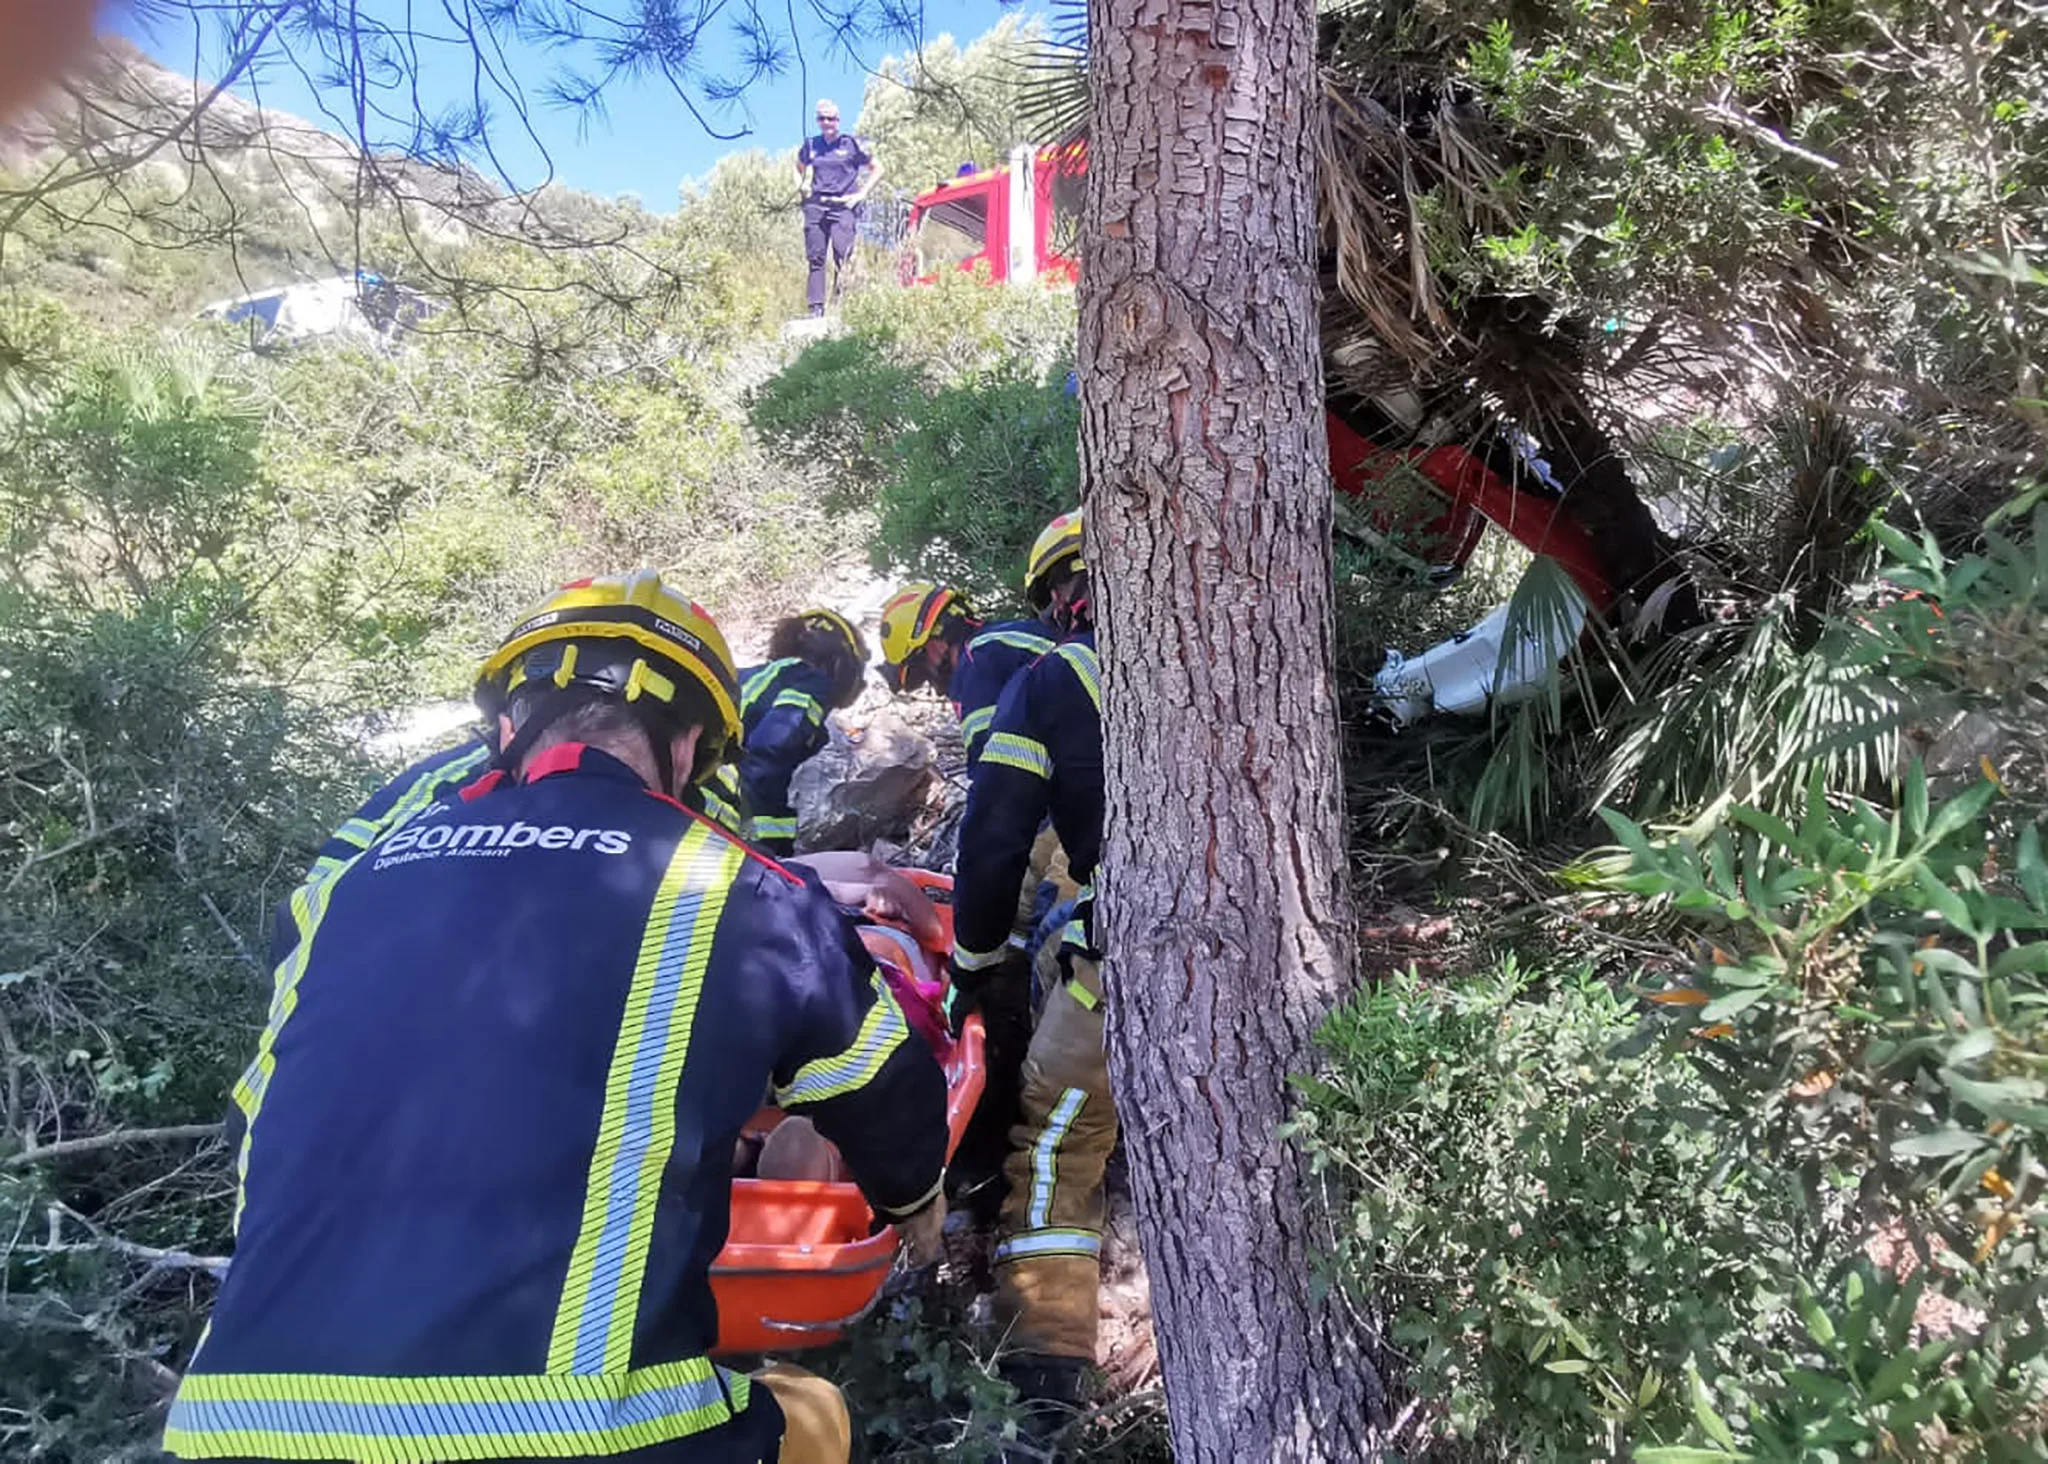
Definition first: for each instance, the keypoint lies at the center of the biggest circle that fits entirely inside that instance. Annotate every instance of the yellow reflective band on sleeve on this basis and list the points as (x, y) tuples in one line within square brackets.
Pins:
[(319, 1416), (358, 831), (593, 1330), (976, 724), (775, 828), (1051, 1242), (881, 1032), (427, 789), (1008, 749), (758, 684), (1021, 640), (1083, 995), (722, 813), (307, 906), (803, 701), (1087, 669), (968, 960)]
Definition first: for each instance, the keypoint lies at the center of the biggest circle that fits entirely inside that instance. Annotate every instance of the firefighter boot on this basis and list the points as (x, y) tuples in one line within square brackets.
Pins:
[(1050, 1393)]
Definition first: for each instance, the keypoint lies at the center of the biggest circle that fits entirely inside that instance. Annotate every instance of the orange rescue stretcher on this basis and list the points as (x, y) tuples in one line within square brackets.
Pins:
[(803, 1260)]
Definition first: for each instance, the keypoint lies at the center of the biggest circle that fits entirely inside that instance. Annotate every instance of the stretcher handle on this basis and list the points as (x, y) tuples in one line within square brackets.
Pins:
[(834, 1326)]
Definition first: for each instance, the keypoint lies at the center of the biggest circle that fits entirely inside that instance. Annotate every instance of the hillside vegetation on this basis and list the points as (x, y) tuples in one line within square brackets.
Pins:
[(1693, 1099)]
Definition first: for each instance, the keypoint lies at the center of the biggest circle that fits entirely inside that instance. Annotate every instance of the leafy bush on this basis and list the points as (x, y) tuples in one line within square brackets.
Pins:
[(836, 412), (143, 468), (160, 800), (920, 1380), (961, 469), (959, 326), (987, 464), (1876, 980), (1552, 1237), (1791, 1206)]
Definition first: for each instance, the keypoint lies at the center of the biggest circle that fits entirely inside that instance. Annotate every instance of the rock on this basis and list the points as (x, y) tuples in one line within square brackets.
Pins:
[(871, 782)]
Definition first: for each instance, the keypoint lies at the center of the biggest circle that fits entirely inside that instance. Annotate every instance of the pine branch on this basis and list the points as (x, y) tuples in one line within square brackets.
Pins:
[(119, 1138)]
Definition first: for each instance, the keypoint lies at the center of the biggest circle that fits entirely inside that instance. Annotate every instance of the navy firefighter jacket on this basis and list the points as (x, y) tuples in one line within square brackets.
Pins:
[(439, 777), (488, 1133), (782, 706), (1043, 756), (993, 656), (427, 781)]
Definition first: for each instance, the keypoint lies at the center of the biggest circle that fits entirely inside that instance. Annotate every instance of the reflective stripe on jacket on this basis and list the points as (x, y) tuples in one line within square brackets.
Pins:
[(486, 1160), (1043, 756), (426, 781), (782, 706), (988, 663)]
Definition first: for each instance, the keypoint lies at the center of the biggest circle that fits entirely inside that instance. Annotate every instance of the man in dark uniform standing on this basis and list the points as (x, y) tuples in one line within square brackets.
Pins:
[(831, 166)]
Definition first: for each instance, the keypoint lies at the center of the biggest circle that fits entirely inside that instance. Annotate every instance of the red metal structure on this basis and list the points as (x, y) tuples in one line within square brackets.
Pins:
[(1019, 224)]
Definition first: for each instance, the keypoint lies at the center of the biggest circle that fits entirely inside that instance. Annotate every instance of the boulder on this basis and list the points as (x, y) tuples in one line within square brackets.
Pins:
[(870, 782)]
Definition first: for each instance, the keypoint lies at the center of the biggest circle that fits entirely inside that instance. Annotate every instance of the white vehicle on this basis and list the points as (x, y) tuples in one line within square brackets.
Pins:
[(364, 305)]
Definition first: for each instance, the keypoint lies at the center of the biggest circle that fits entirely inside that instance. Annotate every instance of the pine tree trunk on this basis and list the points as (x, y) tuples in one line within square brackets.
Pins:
[(1209, 506)]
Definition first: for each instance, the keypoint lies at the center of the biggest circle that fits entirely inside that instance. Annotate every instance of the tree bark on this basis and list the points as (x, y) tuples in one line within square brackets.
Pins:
[(1209, 517)]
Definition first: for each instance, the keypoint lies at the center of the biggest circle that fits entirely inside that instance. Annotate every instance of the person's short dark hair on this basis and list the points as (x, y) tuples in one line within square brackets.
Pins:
[(825, 649)]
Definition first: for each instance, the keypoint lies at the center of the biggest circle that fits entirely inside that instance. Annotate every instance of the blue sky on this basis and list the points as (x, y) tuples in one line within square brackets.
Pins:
[(647, 142)]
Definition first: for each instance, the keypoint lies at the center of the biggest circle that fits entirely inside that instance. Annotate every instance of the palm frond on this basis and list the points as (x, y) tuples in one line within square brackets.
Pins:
[(1054, 103)]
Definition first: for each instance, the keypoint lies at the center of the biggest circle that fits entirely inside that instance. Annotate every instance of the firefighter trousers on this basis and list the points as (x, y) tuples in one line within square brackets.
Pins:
[(1049, 1240)]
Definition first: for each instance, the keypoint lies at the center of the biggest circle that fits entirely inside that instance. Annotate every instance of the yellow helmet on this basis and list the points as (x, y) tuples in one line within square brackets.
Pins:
[(629, 636), (840, 626), (1059, 543), (913, 615)]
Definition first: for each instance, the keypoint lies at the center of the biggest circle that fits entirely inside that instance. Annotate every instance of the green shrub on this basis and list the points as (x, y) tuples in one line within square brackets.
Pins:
[(160, 801), (1552, 1236), (1877, 993), (1791, 1206), (988, 463), (836, 412), (920, 1381), (961, 476), (1878, 976), (960, 325)]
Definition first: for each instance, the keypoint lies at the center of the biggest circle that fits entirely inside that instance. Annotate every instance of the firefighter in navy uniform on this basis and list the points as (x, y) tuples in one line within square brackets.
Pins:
[(816, 662), (930, 637), (441, 776), (487, 1135), (1044, 757)]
